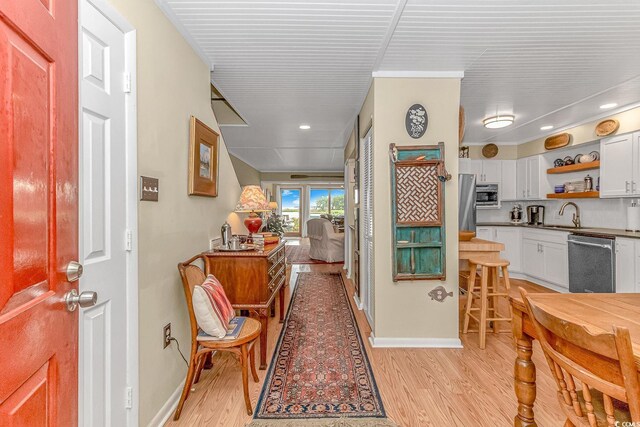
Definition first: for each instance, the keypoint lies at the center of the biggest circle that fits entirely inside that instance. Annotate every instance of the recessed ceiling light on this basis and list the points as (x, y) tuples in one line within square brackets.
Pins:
[(305, 127), (497, 122), (607, 106), (547, 127)]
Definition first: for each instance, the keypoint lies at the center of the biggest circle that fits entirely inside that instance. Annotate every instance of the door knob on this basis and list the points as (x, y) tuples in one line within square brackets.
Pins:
[(85, 299), (74, 271)]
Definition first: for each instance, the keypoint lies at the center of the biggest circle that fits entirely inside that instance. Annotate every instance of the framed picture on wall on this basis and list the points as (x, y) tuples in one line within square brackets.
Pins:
[(203, 159)]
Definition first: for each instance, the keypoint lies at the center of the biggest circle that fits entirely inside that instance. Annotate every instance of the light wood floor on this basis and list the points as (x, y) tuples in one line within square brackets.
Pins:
[(419, 387)]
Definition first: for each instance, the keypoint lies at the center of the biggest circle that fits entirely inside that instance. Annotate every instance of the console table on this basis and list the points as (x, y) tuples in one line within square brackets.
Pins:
[(251, 280)]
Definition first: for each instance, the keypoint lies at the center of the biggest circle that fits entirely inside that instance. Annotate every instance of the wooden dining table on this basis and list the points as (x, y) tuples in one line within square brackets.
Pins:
[(597, 312)]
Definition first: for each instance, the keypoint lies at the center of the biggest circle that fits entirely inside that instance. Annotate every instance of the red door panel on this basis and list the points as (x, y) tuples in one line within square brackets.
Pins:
[(38, 211)]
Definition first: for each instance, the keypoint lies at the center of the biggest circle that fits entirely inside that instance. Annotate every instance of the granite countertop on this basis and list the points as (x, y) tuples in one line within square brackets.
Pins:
[(583, 230)]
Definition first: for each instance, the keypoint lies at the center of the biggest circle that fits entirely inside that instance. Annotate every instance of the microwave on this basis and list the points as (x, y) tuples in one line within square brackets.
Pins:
[(487, 196)]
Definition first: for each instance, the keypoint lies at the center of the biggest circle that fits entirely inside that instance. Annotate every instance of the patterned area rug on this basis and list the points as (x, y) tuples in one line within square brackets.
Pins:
[(299, 254), (320, 374)]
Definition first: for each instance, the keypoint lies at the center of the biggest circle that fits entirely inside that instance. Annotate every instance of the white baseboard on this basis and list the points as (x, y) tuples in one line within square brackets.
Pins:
[(167, 409), (358, 302), (415, 342)]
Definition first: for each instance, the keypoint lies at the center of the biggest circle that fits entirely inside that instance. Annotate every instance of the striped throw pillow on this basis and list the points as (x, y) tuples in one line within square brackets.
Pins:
[(212, 307)]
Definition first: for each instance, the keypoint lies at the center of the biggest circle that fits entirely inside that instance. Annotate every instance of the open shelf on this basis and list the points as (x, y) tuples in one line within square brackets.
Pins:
[(575, 168), (578, 195)]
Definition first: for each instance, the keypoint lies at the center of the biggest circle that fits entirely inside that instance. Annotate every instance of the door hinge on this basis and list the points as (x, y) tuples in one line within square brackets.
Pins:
[(128, 404), (126, 87), (128, 240)]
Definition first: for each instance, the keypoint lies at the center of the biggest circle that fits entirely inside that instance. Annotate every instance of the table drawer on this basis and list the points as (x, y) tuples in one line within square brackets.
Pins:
[(277, 280)]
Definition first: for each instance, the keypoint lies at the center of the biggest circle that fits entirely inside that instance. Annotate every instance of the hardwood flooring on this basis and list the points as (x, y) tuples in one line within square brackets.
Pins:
[(419, 387)]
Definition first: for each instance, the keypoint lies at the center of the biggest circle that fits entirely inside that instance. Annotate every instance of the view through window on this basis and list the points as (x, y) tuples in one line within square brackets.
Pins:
[(327, 202)]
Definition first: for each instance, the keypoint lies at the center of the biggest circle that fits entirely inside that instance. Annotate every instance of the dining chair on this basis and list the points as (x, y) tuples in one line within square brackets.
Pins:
[(601, 362), (243, 345)]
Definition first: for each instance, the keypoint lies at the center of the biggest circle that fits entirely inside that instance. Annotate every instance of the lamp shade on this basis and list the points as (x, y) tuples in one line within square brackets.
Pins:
[(252, 199), (273, 206)]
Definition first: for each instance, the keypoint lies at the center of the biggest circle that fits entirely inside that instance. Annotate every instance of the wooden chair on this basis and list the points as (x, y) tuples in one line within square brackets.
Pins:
[(488, 296), (243, 346), (573, 352)]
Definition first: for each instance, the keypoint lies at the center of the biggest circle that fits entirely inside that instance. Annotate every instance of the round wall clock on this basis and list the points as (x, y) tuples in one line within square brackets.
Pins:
[(416, 121)]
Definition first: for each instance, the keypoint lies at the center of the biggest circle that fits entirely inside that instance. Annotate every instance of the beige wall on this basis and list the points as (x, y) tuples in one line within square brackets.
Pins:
[(350, 148), (505, 152), (629, 122), (247, 174), (173, 84), (403, 309)]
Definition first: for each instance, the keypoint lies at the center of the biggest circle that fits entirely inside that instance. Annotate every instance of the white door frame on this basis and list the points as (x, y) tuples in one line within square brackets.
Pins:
[(131, 144)]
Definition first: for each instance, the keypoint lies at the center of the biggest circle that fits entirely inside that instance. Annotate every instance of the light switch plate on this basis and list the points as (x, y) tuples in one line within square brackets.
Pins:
[(149, 189)]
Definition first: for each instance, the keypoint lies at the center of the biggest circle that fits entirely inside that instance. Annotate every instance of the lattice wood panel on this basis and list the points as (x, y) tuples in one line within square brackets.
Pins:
[(418, 194)]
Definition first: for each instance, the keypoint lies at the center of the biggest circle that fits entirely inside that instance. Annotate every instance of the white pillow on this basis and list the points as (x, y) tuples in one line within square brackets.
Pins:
[(212, 308)]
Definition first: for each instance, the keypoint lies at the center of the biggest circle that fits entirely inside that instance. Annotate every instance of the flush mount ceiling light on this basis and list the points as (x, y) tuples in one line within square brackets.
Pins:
[(547, 127), (497, 122), (305, 127), (608, 106)]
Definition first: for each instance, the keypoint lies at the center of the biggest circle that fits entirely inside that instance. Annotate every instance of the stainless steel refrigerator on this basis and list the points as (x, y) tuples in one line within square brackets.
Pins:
[(466, 202)]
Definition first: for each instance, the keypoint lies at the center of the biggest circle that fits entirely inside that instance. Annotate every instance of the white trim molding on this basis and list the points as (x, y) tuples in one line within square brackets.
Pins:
[(419, 74), (167, 409), (414, 342)]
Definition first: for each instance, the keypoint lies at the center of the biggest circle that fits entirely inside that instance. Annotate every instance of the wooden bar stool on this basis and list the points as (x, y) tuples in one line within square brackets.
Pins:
[(489, 295)]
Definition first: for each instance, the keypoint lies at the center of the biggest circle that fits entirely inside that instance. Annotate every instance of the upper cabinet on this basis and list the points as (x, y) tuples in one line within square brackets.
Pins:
[(484, 170), (620, 166), (529, 183)]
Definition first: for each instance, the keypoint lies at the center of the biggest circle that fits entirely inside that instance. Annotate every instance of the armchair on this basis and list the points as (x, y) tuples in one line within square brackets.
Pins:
[(326, 244)]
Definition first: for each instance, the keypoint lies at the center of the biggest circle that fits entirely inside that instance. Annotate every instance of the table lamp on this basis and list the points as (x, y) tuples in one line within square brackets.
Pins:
[(252, 200), (273, 206)]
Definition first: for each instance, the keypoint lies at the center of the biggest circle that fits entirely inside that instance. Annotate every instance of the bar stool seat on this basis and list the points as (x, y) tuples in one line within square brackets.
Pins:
[(488, 295)]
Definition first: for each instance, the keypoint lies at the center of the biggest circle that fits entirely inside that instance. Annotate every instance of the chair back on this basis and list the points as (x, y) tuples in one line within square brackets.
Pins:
[(318, 228), (191, 275), (603, 362)]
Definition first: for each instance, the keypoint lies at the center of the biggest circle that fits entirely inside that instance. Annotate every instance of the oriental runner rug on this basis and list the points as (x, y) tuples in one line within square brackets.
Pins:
[(320, 374)]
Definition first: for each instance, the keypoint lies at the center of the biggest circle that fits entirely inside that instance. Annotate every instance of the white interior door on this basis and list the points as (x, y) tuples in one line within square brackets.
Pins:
[(103, 388)]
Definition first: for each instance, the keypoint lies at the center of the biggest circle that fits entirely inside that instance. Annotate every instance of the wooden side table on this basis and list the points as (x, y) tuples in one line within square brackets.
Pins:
[(251, 280)]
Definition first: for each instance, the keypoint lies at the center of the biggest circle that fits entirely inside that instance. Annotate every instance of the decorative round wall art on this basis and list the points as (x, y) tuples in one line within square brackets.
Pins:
[(416, 121)]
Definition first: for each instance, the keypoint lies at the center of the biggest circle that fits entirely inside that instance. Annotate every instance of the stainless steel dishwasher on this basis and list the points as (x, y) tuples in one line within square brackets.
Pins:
[(592, 263)]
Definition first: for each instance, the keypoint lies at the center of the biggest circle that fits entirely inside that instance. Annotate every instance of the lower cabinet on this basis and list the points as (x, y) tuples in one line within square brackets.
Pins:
[(511, 237), (543, 256), (626, 262)]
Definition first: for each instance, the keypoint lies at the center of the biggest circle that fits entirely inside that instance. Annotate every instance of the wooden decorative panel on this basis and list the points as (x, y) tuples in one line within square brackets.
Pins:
[(417, 203), (418, 194)]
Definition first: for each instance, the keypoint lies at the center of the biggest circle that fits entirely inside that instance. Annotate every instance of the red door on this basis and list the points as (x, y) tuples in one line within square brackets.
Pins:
[(38, 211)]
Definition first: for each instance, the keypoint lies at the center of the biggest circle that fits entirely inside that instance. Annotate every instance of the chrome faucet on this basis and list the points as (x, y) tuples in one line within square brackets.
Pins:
[(576, 215)]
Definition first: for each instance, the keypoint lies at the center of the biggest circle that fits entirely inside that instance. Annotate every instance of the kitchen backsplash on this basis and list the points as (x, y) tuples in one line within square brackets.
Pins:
[(601, 213)]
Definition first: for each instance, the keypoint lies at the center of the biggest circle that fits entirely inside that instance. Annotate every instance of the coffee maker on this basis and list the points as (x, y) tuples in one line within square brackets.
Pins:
[(535, 215)]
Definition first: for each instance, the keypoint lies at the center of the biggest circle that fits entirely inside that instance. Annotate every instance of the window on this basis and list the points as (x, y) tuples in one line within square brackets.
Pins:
[(326, 201)]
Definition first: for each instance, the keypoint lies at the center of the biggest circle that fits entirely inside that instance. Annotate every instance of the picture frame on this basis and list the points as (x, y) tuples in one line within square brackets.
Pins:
[(203, 159)]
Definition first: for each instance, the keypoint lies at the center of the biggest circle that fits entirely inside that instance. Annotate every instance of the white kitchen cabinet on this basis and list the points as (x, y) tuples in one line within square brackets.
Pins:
[(521, 178), (533, 177), (556, 263), (545, 256), (511, 238), (620, 166), (530, 182), (532, 259), (625, 265), (492, 171), (485, 233), (508, 183)]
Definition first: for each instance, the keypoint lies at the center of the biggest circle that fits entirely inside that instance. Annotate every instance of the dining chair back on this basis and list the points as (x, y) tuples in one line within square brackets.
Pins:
[(601, 362)]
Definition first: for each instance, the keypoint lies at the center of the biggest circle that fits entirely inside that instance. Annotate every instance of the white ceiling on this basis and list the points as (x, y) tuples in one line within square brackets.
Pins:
[(285, 63)]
